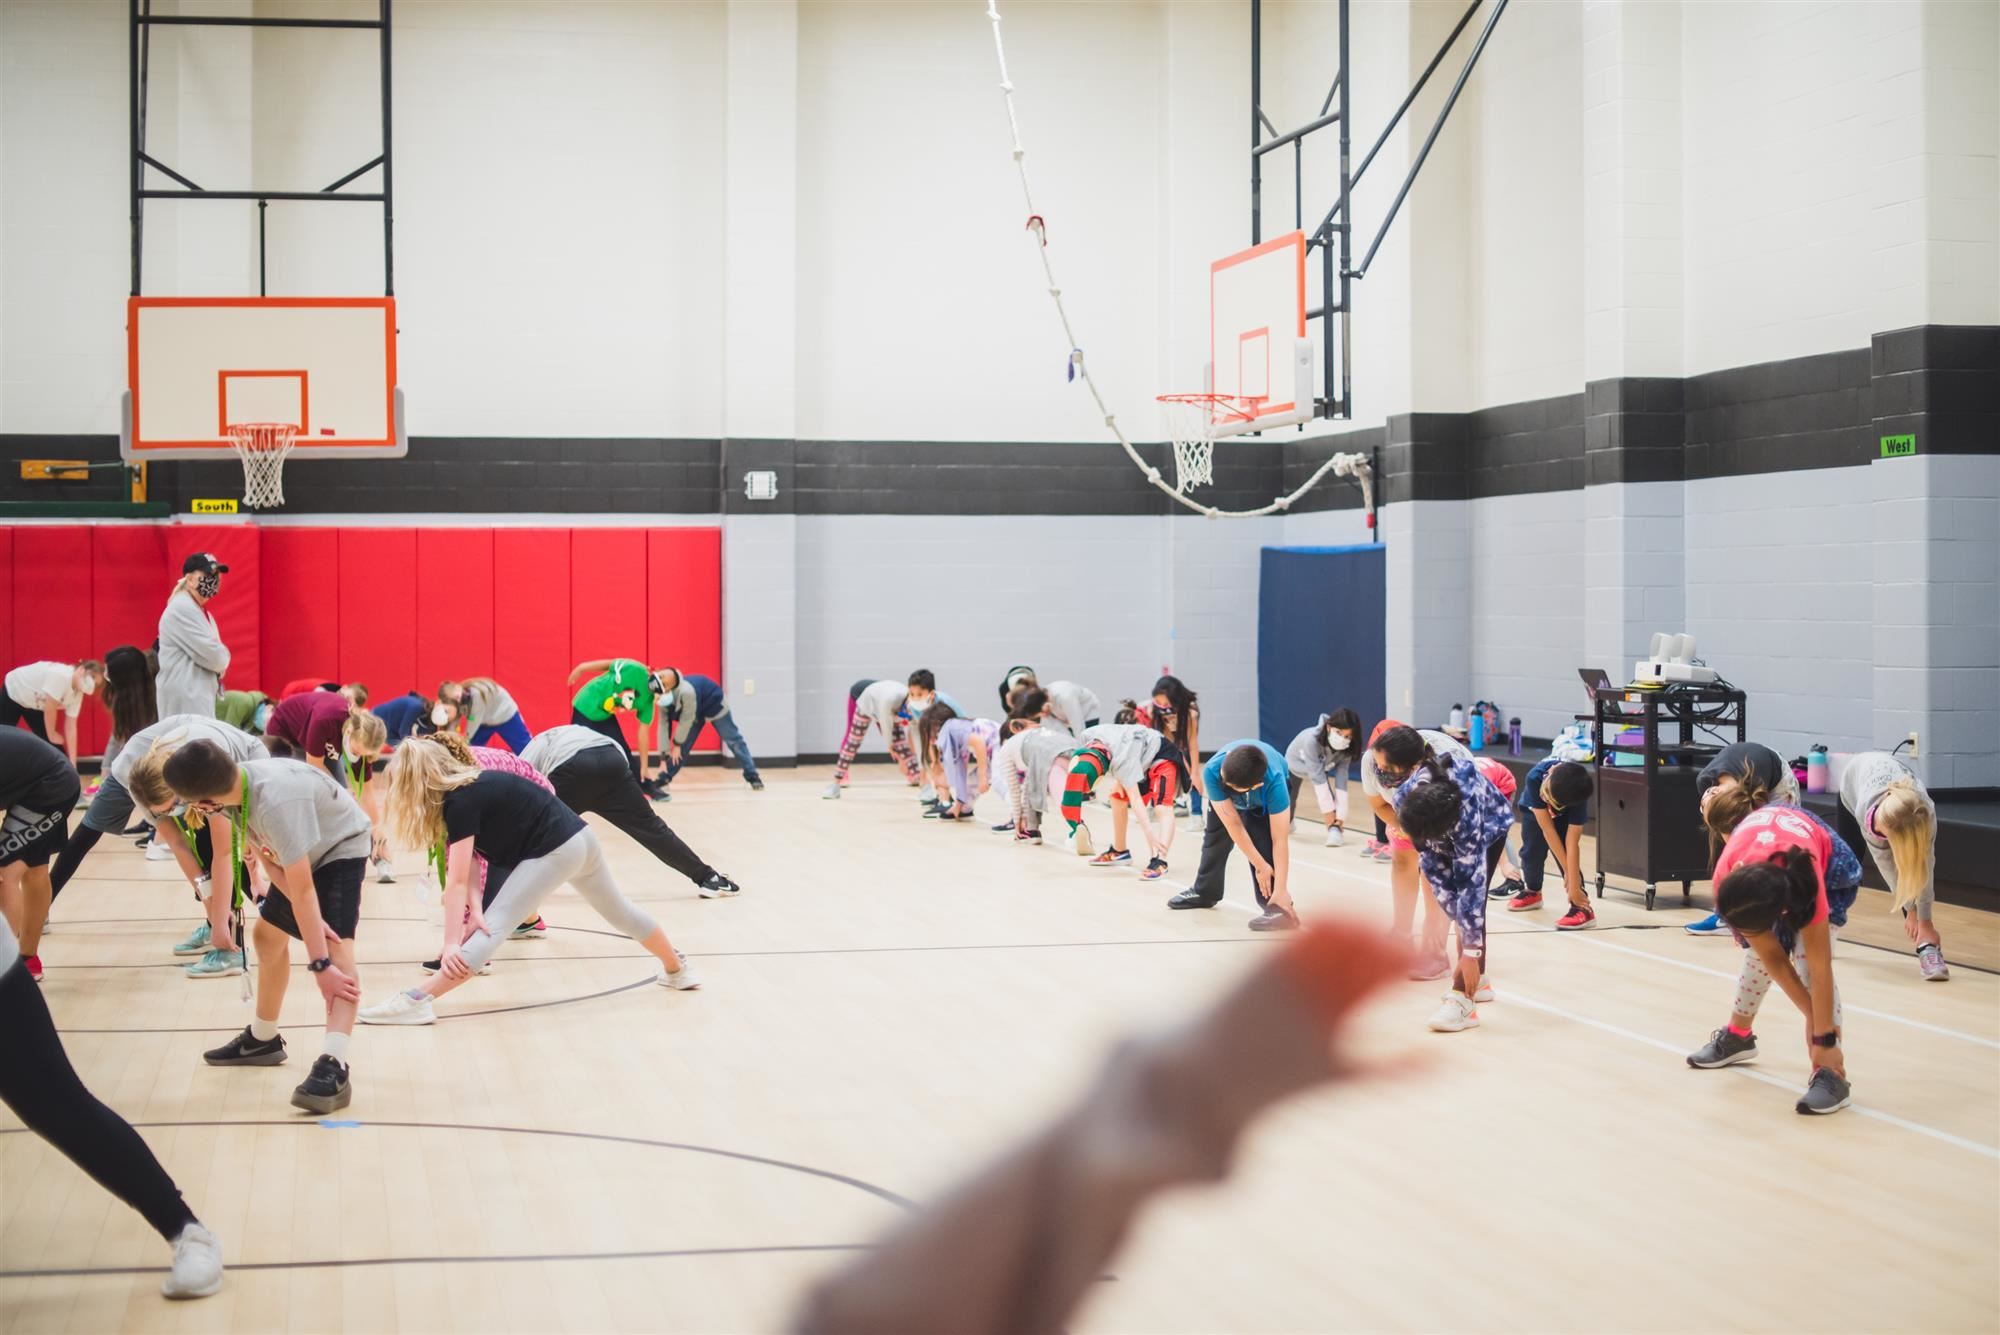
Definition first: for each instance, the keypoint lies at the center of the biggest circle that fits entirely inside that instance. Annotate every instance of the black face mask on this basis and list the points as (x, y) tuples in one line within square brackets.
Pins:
[(208, 584)]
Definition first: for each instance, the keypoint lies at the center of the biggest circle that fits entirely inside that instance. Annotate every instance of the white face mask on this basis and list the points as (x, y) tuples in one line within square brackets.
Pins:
[(441, 715), (918, 706), (88, 685), (348, 755), (1343, 740)]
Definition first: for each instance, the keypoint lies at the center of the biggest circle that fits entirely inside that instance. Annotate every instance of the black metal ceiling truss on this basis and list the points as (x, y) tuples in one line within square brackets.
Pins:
[(1333, 237), (143, 21)]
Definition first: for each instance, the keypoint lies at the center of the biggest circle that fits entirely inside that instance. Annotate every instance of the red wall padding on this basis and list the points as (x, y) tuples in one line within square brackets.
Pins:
[(531, 616), (398, 608), (684, 605), (301, 626), (378, 610), (454, 574), (607, 600)]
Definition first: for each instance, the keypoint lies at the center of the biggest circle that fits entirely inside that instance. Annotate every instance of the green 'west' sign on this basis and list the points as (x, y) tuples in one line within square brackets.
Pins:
[(1898, 447)]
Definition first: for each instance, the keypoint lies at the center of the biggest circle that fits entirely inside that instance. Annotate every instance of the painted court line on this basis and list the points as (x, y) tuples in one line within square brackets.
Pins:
[(1946, 1137), (1588, 938)]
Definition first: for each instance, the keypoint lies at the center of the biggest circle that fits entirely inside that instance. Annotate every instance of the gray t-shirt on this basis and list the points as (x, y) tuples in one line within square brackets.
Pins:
[(1072, 707), (179, 730), (553, 748), (1868, 776), (489, 704), (301, 811), (1132, 748)]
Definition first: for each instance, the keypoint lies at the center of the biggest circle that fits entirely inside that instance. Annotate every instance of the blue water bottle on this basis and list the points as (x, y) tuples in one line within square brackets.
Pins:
[(1477, 738)]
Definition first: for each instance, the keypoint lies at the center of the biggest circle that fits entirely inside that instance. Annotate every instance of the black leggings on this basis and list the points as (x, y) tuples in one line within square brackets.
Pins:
[(82, 839), (39, 1085), (11, 713), (607, 727), (594, 780)]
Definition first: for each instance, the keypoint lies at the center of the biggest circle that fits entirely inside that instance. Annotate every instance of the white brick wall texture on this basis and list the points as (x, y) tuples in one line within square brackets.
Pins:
[(1527, 607)]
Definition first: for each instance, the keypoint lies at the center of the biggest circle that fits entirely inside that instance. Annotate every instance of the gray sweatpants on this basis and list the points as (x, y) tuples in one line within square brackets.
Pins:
[(580, 862)]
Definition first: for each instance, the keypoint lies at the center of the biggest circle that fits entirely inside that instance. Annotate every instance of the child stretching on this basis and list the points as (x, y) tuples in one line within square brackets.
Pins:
[(929, 724), (487, 757), (964, 750), (1839, 873), (1393, 755), (312, 839), (1175, 711), (1459, 823), (1026, 765), (487, 711), (1060, 704), (1249, 807), (1776, 886), (621, 685), (1145, 769), (515, 826), (1743, 776), (1898, 824), (1320, 756), (888, 706), (1555, 806)]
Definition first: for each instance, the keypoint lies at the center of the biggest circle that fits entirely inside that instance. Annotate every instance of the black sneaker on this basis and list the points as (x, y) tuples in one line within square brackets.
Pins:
[(1507, 889), (756, 784), (1274, 920), (327, 1089), (246, 1049), (933, 810), (719, 886), (1190, 899), (1003, 827)]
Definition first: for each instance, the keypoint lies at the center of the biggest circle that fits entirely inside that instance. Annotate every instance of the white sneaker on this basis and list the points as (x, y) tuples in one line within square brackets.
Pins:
[(1484, 992), (1455, 1014), (682, 981), (832, 793), (1081, 843), (158, 852), (1334, 839), (197, 1271), (399, 1007), (385, 871)]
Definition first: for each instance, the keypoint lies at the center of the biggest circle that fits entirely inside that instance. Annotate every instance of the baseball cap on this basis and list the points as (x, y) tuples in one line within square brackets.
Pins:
[(204, 562)]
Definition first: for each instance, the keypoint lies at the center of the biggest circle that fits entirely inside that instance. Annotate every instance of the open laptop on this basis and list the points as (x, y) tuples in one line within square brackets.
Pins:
[(1596, 679)]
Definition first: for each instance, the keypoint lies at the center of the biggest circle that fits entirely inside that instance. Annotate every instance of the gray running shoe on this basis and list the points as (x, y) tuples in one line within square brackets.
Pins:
[(1827, 1093), (1930, 962), (1724, 1049)]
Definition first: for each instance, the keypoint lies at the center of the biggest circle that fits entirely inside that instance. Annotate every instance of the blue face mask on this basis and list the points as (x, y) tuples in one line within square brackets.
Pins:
[(260, 716)]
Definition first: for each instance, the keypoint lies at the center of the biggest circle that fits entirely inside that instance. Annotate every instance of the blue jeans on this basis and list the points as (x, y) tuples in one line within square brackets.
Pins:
[(732, 738), (513, 732)]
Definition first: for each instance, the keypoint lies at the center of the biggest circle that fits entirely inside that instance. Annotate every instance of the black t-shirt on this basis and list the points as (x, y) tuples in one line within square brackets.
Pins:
[(34, 775), (508, 819), (1766, 764)]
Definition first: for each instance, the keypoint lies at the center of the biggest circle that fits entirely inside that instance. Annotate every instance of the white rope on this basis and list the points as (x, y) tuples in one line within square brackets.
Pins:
[(1353, 465)]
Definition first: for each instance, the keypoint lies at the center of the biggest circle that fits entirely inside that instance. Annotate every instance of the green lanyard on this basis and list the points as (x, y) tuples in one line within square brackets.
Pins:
[(187, 836), (238, 828), (438, 861), (353, 773)]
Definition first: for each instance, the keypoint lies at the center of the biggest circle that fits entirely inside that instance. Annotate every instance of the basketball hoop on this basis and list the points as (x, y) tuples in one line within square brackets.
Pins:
[(263, 446), (1193, 419)]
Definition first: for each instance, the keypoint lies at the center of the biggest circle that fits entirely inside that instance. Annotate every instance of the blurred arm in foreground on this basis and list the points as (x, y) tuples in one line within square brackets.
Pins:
[(1013, 1249)]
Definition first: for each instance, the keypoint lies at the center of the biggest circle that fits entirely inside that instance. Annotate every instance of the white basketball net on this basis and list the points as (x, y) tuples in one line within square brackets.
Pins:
[(263, 447), (1191, 418)]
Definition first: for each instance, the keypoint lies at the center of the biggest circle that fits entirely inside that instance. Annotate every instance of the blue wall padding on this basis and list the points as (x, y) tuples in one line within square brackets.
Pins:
[(1322, 614)]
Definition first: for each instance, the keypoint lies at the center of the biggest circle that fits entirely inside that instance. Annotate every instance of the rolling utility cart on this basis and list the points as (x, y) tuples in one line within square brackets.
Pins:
[(1648, 814)]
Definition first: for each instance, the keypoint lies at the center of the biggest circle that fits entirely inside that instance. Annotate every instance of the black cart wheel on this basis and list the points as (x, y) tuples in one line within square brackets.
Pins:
[(1651, 890), (1687, 896), (1600, 885)]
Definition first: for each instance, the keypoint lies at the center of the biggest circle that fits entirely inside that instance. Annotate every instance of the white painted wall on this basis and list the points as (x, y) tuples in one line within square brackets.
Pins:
[(1527, 608)]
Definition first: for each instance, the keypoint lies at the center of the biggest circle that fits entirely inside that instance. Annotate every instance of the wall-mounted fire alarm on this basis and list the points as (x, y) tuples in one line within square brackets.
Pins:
[(760, 484)]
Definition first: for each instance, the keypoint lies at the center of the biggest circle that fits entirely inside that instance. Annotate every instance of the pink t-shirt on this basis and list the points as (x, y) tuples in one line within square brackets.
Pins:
[(492, 757), (1496, 774), (1769, 830)]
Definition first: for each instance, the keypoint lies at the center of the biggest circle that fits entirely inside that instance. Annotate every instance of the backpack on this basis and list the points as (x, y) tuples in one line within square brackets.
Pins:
[(1491, 713)]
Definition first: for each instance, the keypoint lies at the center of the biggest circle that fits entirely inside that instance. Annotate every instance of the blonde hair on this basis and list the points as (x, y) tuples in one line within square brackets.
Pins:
[(148, 781), (357, 694), (1730, 805), (421, 772), (367, 731), (1908, 821), (461, 750)]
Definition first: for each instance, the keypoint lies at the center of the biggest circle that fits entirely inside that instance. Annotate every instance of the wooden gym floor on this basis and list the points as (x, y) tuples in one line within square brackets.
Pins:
[(892, 999)]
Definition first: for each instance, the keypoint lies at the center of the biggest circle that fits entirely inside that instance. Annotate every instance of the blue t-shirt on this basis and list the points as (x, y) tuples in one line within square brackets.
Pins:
[(1273, 796), (402, 714), (1529, 797)]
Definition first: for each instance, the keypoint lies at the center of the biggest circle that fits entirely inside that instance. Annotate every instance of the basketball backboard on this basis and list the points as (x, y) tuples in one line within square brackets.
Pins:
[(326, 365), (1259, 354)]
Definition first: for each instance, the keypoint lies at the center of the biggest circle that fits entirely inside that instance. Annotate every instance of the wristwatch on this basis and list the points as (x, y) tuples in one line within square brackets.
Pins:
[(1827, 1040), (325, 962)]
